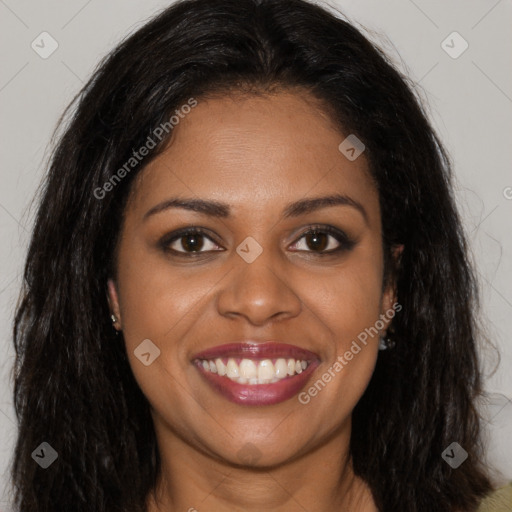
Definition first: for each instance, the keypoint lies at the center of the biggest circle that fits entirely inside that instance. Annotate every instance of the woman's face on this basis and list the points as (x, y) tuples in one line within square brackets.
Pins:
[(252, 287)]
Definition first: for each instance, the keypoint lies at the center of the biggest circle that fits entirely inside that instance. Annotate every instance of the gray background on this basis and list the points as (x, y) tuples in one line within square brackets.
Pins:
[(469, 101)]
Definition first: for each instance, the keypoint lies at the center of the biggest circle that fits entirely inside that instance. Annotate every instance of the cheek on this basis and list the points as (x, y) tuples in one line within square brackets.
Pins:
[(348, 305), (166, 304), (159, 305), (156, 299), (348, 299)]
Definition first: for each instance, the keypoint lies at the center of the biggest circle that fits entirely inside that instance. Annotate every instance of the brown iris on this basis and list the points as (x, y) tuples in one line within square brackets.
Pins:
[(192, 242), (317, 241)]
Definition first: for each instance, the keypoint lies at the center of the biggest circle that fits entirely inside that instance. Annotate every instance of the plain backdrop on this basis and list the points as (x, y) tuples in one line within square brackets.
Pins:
[(468, 95)]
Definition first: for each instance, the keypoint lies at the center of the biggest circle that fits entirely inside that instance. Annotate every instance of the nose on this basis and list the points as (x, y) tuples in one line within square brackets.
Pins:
[(259, 292)]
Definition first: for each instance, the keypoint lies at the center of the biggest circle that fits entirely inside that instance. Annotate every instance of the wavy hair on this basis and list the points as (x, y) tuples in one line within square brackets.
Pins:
[(73, 385)]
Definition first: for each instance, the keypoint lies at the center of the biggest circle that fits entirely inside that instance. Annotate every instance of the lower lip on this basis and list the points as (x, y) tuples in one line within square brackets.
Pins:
[(258, 394)]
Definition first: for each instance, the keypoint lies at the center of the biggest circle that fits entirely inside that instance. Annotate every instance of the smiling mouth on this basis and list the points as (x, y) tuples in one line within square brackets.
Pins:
[(256, 373)]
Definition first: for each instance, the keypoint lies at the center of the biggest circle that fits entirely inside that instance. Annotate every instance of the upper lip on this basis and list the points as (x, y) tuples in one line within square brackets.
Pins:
[(257, 350)]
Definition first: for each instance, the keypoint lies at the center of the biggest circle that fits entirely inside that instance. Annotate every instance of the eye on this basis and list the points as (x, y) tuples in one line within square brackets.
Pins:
[(189, 241), (323, 240)]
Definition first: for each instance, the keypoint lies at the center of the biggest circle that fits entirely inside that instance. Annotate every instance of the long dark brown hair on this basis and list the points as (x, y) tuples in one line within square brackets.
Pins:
[(73, 385)]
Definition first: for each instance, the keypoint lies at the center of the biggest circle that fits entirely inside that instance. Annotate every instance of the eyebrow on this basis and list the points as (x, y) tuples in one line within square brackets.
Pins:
[(223, 210)]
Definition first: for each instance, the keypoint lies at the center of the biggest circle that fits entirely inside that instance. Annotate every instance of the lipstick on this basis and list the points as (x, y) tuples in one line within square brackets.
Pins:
[(256, 373)]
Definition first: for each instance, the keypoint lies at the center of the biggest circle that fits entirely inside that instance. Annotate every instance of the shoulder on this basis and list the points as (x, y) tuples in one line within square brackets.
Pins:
[(498, 501)]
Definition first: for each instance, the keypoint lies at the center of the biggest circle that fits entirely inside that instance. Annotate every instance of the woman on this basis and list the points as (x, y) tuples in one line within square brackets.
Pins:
[(247, 203)]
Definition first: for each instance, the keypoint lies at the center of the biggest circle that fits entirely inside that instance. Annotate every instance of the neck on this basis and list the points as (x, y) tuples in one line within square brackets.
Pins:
[(322, 480)]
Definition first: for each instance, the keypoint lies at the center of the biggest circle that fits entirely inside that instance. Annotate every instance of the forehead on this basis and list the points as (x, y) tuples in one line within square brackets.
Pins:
[(256, 153)]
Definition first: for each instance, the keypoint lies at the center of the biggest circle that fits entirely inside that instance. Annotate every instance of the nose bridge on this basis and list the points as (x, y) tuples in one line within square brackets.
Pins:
[(258, 289)]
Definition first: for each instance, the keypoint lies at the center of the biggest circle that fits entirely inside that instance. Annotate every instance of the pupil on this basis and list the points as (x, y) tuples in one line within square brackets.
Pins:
[(192, 242), (319, 241)]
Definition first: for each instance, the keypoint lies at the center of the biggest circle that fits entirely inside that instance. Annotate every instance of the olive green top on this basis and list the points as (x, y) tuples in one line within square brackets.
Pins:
[(498, 501)]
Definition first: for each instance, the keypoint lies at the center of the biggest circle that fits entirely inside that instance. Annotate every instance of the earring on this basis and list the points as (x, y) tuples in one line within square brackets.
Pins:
[(386, 343), (114, 322)]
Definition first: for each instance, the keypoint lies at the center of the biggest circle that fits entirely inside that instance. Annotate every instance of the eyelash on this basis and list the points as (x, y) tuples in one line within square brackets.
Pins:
[(345, 243)]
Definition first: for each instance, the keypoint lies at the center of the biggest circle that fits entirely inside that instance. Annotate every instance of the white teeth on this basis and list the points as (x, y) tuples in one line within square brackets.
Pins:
[(232, 369), (252, 372), (282, 368), (266, 370), (248, 369), (221, 367)]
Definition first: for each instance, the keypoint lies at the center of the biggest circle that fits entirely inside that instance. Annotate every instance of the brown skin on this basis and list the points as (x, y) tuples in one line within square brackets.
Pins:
[(257, 154)]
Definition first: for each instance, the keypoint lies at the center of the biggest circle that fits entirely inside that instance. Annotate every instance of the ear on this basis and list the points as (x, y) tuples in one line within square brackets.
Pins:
[(389, 297), (113, 302)]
